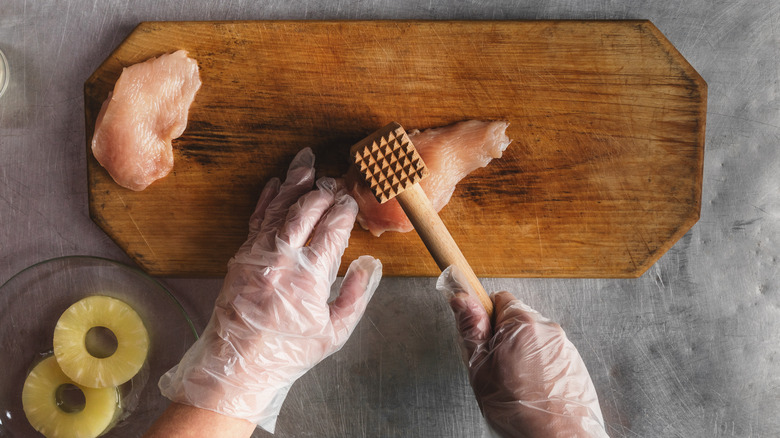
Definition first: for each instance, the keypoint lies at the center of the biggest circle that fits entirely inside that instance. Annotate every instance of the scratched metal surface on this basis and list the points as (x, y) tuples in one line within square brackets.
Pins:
[(691, 349)]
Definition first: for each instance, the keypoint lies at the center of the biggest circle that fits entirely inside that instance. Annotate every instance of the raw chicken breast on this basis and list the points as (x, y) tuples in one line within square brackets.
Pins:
[(450, 153), (147, 109)]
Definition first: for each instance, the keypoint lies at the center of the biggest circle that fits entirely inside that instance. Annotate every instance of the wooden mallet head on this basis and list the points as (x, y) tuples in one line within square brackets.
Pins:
[(392, 168), (388, 161)]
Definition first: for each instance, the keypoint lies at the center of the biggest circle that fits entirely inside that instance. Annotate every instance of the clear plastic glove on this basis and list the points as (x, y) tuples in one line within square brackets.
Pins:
[(272, 321), (528, 378)]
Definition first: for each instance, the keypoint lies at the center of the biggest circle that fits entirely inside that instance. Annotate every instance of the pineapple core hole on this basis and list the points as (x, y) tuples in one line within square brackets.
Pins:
[(70, 398), (100, 342)]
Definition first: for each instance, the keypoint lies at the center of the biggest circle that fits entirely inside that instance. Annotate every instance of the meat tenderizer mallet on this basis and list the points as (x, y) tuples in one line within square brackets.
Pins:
[(393, 169)]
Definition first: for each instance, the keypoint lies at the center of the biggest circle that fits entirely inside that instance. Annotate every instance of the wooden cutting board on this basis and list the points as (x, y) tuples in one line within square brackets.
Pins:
[(603, 176)]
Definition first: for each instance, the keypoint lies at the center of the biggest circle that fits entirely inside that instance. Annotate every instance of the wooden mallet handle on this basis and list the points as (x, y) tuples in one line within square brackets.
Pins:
[(393, 168), (438, 240)]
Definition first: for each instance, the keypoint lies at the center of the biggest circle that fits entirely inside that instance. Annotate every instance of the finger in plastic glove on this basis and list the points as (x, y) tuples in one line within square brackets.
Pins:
[(513, 307), (331, 236), (473, 324), (303, 273), (451, 281), (300, 179), (268, 194), (472, 320), (304, 215), (357, 288)]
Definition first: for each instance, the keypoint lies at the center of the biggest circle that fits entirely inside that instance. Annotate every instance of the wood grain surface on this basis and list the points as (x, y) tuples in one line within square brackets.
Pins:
[(603, 176)]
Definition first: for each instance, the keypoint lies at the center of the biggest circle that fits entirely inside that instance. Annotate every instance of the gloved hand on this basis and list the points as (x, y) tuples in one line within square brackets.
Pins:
[(272, 321), (528, 378)]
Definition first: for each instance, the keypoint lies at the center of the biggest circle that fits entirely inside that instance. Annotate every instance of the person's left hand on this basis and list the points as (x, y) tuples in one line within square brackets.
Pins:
[(272, 321)]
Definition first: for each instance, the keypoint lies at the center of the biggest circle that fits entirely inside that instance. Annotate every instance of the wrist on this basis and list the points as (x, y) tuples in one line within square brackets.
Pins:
[(180, 421), (215, 377)]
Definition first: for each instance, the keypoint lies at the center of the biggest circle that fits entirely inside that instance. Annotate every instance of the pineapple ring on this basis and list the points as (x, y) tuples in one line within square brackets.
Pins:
[(71, 350), (40, 404)]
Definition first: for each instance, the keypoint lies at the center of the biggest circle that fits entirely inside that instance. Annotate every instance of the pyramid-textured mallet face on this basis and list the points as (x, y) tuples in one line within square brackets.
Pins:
[(388, 161)]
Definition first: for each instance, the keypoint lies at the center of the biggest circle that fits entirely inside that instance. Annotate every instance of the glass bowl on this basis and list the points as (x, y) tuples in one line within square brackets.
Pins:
[(32, 301), (4, 72)]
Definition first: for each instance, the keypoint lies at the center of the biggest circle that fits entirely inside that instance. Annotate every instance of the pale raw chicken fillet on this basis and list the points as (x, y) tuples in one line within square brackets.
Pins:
[(146, 111), (450, 153)]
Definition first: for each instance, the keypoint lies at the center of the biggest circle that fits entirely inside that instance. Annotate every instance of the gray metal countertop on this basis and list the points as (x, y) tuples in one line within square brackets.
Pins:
[(690, 349)]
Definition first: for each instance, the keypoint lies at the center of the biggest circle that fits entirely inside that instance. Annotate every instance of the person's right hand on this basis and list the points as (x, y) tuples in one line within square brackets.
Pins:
[(528, 378)]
